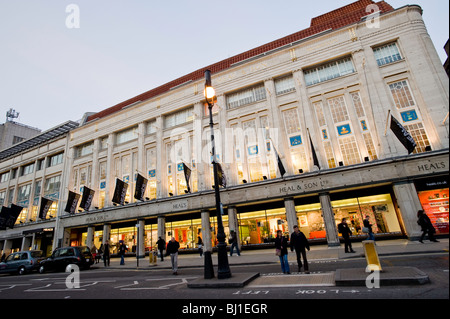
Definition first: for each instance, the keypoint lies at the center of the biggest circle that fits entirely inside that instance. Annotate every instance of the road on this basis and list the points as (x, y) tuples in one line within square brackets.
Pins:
[(161, 284)]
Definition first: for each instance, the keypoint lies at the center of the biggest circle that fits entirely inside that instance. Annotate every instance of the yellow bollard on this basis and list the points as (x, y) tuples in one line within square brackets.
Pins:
[(153, 257), (373, 262)]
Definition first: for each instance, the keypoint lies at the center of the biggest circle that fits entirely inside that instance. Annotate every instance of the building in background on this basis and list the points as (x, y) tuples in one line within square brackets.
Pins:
[(31, 175), (12, 132), (321, 102)]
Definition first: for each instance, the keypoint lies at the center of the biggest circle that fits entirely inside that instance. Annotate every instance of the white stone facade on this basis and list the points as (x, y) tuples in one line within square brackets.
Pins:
[(344, 115)]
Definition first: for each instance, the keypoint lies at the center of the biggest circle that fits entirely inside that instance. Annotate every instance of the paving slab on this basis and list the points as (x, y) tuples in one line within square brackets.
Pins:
[(237, 280), (325, 279), (388, 277)]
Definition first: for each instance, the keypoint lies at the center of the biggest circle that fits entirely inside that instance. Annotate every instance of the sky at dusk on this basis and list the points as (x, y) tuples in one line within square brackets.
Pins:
[(51, 73)]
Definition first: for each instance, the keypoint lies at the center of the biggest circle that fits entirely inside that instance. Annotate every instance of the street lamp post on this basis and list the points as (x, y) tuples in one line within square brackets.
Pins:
[(223, 271)]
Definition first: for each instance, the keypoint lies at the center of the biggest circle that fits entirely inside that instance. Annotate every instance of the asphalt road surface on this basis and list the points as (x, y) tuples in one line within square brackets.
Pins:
[(162, 289)]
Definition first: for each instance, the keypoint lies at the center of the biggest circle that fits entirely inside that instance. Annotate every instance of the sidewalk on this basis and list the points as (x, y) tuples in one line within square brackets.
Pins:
[(267, 256)]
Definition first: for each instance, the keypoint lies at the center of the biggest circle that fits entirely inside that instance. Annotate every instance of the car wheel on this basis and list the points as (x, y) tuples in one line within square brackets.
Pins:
[(22, 271), (41, 269)]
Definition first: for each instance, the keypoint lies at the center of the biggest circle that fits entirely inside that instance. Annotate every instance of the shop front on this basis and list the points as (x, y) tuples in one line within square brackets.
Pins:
[(258, 224), (125, 232), (433, 195), (377, 203), (187, 228)]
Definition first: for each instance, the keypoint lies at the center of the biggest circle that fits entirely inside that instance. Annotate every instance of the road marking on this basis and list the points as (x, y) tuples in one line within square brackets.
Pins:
[(133, 284), (43, 288), (12, 286)]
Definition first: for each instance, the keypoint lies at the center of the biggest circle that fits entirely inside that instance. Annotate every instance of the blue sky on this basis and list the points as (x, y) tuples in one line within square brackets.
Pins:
[(50, 73)]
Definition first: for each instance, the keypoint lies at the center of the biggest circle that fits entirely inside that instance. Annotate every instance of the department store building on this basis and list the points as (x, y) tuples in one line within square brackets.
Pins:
[(321, 98)]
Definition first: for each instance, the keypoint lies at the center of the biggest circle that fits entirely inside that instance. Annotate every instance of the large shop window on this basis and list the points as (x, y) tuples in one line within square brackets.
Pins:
[(310, 221), (186, 232), (261, 226), (433, 195), (379, 208), (126, 234)]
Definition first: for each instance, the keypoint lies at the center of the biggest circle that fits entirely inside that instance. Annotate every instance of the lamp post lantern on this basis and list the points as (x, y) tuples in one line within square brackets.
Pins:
[(223, 271)]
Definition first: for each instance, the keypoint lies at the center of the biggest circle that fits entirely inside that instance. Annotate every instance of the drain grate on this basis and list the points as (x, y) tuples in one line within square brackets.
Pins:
[(294, 280)]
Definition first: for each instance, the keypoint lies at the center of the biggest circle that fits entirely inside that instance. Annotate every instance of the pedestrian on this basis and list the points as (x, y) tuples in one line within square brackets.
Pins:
[(172, 250), (161, 247), (94, 252), (121, 252), (234, 243), (368, 227), (200, 245), (300, 243), (346, 233), (106, 253), (426, 225), (281, 245)]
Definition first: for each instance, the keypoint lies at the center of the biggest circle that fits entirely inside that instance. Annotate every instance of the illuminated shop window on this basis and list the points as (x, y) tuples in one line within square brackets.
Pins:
[(379, 208), (186, 232), (435, 203), (310, 221)]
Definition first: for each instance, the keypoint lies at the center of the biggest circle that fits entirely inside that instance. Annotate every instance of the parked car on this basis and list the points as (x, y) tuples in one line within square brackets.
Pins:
[(22, 262), (62, 257)]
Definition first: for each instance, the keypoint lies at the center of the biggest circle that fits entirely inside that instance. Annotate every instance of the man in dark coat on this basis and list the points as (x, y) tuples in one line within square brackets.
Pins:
[(161, 247), (346, 233), (172, 250), (299, 243), (427, 227)]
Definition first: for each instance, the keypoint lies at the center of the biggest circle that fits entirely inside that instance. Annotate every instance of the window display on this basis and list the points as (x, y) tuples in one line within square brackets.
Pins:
[(261, 226), (379, 208), (310, 221), (184, 231), (435, 204)]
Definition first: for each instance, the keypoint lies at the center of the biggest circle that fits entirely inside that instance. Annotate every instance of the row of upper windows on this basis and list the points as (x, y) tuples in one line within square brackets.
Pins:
[(385, 54), (29, 168), (51, 186)]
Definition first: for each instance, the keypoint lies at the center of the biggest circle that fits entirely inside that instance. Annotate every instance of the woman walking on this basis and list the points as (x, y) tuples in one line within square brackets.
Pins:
[(281, 245)]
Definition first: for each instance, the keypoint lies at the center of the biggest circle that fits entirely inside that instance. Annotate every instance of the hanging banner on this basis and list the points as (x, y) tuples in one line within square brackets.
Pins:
[(314, 155), (403, 136), (45, 206), (221, 175), (120, 192), (187, 176), (13, 215), (72, 202), (141, 185), (280, 164), (86, 199), (4, 216)]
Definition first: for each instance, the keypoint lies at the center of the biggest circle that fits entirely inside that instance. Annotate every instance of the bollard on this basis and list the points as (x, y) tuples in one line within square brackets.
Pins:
[(373, 262), (153, 257), (209, 270)]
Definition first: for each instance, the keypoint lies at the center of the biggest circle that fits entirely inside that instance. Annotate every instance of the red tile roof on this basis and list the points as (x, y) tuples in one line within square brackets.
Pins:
[(335, 19)]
